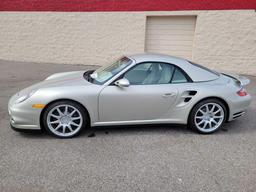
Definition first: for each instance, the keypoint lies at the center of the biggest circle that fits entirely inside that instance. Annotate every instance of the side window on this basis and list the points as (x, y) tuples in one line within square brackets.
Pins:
[(179, 77), (150, 73), (137, 74)]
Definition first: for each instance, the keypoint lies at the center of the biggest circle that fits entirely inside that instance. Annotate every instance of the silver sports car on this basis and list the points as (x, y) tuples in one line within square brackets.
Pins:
[(139, 89)]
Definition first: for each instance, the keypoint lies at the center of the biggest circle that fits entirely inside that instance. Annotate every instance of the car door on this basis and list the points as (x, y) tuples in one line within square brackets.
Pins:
[(149, 96)]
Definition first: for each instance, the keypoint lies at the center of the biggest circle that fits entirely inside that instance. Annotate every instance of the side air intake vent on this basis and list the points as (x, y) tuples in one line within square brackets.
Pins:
[(186, 97), (192, 93)]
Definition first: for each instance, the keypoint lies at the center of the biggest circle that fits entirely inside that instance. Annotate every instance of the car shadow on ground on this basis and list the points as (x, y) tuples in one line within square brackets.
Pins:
[(126, 130), (233, 127), (134, 129)]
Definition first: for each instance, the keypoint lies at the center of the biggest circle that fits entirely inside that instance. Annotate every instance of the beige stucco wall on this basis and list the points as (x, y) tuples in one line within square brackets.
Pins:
[(224, 40)]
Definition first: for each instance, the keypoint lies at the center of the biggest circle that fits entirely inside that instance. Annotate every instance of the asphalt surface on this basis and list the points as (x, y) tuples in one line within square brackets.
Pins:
[(135, 158)]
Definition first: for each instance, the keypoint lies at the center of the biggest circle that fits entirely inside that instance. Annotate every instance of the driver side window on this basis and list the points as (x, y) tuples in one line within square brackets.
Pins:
[(150, 73)]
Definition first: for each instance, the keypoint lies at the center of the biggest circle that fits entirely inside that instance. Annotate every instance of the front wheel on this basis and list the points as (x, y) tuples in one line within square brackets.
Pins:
[(207, 116), (64, 119)]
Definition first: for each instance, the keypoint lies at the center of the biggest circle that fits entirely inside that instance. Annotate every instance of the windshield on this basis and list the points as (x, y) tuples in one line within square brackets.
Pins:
[(103, 74)]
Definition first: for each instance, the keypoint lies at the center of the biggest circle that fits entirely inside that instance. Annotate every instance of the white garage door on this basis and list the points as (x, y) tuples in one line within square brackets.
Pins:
[(170, 35)]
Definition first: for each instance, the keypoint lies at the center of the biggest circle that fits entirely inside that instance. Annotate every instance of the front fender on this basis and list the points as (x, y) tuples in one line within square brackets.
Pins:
[(85, 95)]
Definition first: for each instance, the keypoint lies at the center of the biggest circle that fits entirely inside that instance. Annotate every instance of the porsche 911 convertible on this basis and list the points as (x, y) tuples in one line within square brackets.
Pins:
[(137, 89)]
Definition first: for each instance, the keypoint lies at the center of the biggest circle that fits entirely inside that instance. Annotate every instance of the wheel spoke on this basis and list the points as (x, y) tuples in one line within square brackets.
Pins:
[(210, 124), (205, 124), (73, 123), (66, 110), (217, 116), (207, 109), (54, 122), (70, 128), (72, 113), (55, 116), (200, 122), (64, 129), (59, 111), (75, 118), (59, 126), (201, 111), (214, 121), (212, 109), (216, 111)]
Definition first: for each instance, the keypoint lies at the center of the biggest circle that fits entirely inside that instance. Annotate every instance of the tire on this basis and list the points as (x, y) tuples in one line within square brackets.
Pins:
[(65, 119), (207, 116)]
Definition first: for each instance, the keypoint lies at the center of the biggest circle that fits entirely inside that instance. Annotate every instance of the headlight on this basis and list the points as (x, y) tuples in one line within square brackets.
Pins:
[(25, 97)]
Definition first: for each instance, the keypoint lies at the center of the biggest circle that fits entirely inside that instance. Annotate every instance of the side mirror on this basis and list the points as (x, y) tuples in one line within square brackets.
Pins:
[(122, 83)]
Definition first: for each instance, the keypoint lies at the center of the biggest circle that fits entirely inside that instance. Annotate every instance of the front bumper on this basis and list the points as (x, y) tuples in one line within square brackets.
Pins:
[(23, 116)]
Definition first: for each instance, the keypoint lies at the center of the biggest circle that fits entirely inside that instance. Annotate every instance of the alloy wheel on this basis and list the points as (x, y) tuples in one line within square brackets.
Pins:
[(209, 117), (64, 120)]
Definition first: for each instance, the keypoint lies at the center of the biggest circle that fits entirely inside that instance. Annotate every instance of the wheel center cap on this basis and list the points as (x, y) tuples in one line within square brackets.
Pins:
[(65, 120), (207, 117)]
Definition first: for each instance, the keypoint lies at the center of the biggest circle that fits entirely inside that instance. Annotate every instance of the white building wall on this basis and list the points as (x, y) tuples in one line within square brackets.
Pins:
[(224, 40)]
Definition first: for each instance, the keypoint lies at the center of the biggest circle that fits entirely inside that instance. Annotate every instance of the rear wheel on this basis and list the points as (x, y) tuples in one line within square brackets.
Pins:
[(207, 116), (64, 119)]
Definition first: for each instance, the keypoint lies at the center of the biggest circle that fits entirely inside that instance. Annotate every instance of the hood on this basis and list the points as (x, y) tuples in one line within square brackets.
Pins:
[(66, 75), (73, 78)]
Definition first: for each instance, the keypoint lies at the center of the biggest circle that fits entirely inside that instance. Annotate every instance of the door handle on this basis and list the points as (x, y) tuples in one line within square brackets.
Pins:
[(168, 95)]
